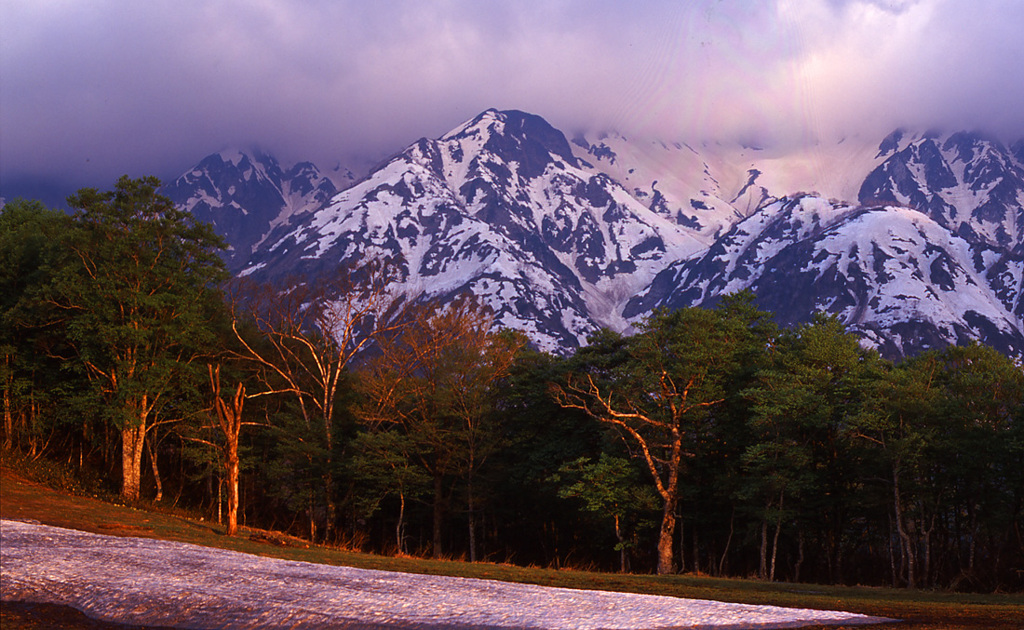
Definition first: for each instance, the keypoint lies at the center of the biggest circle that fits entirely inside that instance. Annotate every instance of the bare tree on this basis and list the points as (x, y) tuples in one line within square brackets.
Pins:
[(671, 374), (308, 334), (435, 379), (229, 419)]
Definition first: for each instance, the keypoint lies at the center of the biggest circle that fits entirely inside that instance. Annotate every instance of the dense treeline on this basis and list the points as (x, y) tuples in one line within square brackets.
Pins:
[(710, 441)]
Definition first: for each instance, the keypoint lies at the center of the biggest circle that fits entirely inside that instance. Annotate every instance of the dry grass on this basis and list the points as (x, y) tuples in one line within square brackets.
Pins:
[(919, 610)]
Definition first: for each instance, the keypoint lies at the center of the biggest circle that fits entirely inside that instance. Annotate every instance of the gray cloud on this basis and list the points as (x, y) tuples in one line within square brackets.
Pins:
[(92, 90)]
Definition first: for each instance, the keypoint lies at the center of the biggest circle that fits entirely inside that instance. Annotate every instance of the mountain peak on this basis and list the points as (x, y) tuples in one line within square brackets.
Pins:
[(516, 136)]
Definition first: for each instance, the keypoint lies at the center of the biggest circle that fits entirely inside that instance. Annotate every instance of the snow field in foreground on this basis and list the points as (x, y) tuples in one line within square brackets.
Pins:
[(151, 582)]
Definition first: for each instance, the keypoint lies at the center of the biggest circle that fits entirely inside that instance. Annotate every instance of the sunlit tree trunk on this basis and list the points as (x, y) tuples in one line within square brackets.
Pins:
[(132, 441), (666, 537), (229, 416), (8, 417), (400, 526), (232, 481)]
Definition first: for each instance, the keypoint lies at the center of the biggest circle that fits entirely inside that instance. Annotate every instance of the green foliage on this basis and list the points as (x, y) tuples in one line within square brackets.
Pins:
[(136, 293), (32, 344), (383, 465), (608, 486), (121, 293)]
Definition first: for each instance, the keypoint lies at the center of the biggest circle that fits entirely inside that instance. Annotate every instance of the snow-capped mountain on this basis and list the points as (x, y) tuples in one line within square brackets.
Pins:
[(913, 242), (245, 195), (931, 255), (708, 187), (676, 181), (895, 276), (501, 208)]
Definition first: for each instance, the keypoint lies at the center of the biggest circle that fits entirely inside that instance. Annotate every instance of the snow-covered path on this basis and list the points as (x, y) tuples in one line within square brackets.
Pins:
[(152, 582)]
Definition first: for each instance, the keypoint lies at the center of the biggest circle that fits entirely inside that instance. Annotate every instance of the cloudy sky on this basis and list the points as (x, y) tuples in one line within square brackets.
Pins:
[(91, 89)]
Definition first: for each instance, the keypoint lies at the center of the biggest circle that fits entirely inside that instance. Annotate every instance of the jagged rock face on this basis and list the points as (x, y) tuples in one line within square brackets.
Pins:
[(244, 195), (970, 185), (562, 238), (735, 259)]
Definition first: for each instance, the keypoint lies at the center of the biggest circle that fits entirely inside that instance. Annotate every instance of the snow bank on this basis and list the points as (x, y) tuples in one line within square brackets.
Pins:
[(152, 582)]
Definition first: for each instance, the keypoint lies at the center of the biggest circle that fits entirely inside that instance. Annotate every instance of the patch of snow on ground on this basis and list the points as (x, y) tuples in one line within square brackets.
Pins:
[(152, 582)]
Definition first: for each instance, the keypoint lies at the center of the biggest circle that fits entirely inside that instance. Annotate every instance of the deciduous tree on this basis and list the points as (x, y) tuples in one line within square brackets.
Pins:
[(610, 487), (309, 333), (674, 372), (137, 297), (435, 379)]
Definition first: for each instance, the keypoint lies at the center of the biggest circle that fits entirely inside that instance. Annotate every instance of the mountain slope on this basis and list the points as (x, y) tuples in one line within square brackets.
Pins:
[(895, 276), (965, 182)]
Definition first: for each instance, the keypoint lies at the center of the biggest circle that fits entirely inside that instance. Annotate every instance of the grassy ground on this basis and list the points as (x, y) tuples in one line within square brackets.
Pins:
[(918, 610)]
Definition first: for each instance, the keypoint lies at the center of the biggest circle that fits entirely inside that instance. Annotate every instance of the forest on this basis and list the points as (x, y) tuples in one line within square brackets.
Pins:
[(711, 441)]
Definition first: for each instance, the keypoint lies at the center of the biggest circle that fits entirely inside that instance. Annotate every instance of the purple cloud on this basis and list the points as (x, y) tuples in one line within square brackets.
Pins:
[(92, 90)]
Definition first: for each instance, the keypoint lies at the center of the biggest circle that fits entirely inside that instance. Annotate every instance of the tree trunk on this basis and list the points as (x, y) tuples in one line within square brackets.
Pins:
[(32, 432), (728, 541), (973, 545), (666, 563), (926, 570), (230, 419), (799, 554), (892, 559), (312, 518), (8, 418), (232, 470), (132, 439), (331, 509), (400, 526), (156, 470), (472, 519), (438, 514), (775, 539), (909, 552), (762, 571), (696, 549), (622, 545), (775, 550)]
